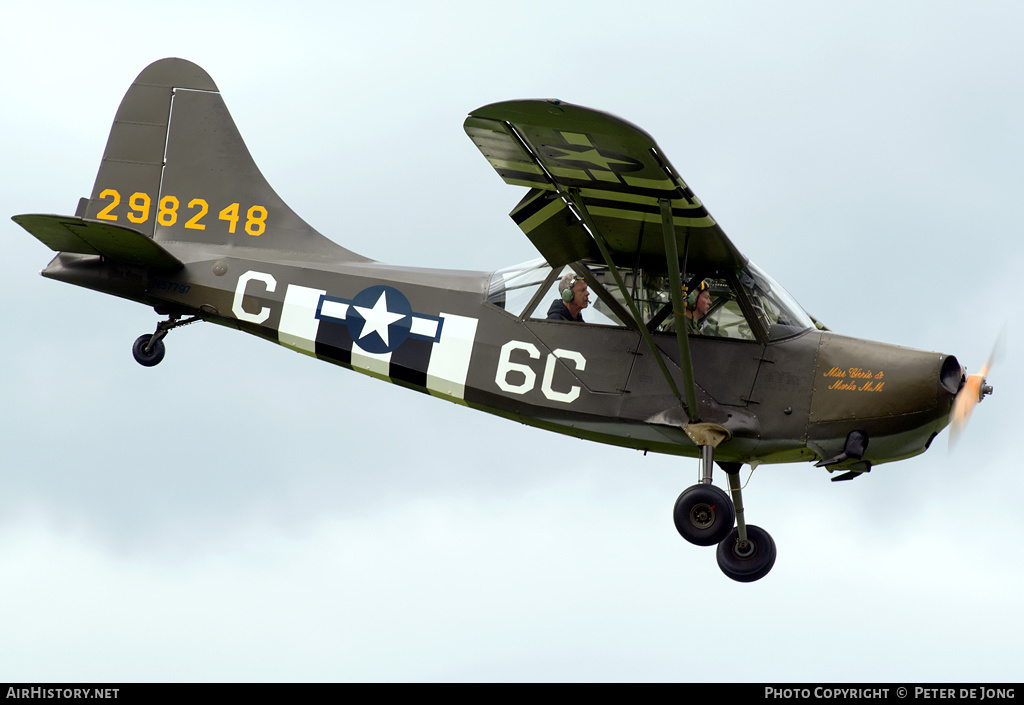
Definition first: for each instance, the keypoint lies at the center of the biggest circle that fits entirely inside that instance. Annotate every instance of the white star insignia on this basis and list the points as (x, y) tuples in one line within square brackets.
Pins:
[(378, 319)]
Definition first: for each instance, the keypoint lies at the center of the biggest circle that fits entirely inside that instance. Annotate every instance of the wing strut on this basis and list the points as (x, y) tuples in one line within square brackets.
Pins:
[(676, 283), (574, 198), (690, 405)]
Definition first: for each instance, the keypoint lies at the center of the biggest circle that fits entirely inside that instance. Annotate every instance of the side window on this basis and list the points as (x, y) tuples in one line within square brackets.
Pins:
[(726, 320), (723, 318), (597, 312), (513, 288), (649, 292), (529, 289)]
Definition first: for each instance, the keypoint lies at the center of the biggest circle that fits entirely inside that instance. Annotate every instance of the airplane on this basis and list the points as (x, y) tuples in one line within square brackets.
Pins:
[(688, 348)]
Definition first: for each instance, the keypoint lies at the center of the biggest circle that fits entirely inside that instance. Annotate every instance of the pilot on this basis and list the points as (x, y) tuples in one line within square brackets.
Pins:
[(697, 301), (574, 298)]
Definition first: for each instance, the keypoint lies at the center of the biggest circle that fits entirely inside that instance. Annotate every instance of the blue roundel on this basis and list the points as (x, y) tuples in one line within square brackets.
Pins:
[(379, 319)]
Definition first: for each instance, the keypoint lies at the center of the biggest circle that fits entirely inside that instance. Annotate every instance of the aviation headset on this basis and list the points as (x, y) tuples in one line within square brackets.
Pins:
[(693, 290), (567, 292)]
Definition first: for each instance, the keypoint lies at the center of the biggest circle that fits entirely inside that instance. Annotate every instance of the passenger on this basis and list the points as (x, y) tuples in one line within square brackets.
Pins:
[(574, 298), (697, 301)]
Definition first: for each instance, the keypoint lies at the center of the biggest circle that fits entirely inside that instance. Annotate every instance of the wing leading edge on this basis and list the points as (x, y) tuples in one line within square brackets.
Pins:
[(567, 154)]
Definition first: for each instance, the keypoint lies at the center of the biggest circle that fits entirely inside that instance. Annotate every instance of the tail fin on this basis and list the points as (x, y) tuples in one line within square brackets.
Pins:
[(176, 169)]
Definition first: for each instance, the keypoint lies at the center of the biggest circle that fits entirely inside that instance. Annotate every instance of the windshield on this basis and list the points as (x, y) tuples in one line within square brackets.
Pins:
[(781, 315)]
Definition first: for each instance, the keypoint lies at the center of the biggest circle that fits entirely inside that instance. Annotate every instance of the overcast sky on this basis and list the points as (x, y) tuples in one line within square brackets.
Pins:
[(245, 513)]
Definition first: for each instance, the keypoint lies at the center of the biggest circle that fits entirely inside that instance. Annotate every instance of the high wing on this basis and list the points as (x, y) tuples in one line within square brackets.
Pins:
[(578, 159), (601, 188)]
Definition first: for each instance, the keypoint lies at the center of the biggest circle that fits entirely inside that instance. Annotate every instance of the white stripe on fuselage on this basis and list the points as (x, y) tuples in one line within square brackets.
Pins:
[(299, 324), (449, 359), (447, 368)]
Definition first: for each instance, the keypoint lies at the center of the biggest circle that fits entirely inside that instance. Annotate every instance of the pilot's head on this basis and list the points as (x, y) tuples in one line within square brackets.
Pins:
[(574, 291), (698, 297)]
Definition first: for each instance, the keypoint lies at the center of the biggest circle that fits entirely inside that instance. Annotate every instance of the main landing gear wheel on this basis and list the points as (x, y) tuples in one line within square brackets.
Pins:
[(150, 357), (704, 515), (750, 560)]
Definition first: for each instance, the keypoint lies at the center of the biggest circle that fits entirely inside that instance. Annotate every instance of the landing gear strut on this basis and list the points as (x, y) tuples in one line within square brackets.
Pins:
[(703, 513), (148, 350), (704, 516), (748, 552)]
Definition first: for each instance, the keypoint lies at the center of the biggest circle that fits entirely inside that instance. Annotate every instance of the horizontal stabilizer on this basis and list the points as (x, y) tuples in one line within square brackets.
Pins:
[(63, 233)]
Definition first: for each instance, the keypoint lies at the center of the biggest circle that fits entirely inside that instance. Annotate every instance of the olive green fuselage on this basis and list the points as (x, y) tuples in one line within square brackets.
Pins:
[(789, 400)]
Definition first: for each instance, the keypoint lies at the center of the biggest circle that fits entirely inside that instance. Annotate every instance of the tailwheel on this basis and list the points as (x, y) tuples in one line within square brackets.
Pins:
[(749, 560), (704, 514), (148, 352)]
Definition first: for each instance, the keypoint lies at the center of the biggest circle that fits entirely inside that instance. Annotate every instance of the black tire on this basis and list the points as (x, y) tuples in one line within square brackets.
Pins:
[(153, 357), (748, 563), (704, 515)]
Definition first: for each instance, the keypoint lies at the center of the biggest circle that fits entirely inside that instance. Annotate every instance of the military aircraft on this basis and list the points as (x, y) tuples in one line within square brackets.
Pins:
[(688, 348)]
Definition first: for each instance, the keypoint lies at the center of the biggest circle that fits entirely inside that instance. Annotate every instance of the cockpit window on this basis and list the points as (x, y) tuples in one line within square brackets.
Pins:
[(741, 304), (599, 312), (776, 312), (724, 317), (528, 289)]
